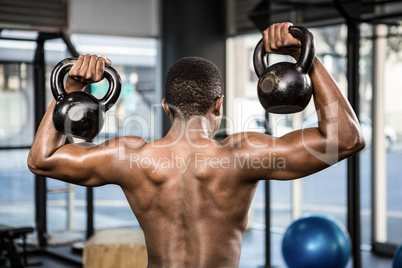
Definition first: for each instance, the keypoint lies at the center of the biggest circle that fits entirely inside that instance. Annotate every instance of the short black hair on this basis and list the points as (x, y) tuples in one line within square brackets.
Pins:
[(192, 85)]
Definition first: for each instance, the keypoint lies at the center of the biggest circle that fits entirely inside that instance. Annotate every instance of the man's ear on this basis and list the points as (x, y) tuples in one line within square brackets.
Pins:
[(165, 106), (218, 106)]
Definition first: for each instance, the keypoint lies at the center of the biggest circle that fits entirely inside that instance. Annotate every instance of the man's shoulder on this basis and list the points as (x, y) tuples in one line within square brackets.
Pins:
[(132, 141), (245, 140), (124, 142)]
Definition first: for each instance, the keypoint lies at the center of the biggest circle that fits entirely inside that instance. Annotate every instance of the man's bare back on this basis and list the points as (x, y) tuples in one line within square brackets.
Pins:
[(193, 213), (190, 193)]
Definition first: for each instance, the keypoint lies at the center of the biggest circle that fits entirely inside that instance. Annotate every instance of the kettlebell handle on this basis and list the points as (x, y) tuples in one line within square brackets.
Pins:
[(307, 52), (111, 75)]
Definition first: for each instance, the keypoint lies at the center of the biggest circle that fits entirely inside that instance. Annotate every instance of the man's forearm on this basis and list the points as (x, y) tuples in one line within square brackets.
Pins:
[(47, 139), (46, 142), (337, 120)]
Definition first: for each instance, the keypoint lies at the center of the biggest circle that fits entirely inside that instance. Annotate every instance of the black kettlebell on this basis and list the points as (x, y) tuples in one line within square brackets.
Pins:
[(285, 87), (79, 114)]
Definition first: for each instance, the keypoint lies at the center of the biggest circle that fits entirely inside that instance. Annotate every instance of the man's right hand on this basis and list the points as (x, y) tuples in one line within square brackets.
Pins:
[(278, 40), (88, 69)]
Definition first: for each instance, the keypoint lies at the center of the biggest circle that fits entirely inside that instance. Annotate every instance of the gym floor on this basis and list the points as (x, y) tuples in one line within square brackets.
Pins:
[(253, 255)]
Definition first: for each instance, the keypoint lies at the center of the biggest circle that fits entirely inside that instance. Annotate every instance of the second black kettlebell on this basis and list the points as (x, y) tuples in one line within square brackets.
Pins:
[(79, 114), (285, 87)]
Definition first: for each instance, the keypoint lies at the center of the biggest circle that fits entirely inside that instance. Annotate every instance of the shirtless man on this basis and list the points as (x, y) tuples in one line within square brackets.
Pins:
[(190, 193)]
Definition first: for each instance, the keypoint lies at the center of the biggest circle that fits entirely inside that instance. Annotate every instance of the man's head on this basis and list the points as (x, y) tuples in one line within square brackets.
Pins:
[(192, 86)]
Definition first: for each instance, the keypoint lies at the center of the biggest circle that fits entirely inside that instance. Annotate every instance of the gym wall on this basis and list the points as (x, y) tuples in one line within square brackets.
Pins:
[(137, 18)]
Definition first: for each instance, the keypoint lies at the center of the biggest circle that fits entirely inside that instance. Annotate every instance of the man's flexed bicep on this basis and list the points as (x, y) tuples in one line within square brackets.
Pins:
[(72, 163), (295, 155), (86, 164)]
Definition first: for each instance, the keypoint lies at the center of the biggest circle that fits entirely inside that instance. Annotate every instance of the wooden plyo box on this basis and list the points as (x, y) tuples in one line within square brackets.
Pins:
[(120, 248)]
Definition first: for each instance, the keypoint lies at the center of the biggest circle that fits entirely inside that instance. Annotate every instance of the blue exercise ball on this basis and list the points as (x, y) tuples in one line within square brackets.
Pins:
[(397, 261), (315, 242)]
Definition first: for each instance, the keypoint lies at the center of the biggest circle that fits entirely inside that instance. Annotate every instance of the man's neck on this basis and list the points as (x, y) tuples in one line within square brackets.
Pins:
[(195, 127)]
